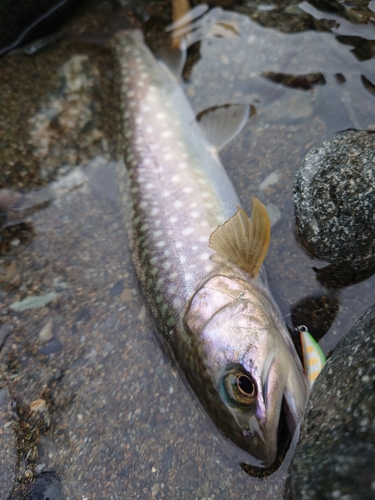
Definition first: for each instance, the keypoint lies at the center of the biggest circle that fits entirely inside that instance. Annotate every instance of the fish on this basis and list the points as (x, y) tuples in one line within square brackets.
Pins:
[(198, 257)]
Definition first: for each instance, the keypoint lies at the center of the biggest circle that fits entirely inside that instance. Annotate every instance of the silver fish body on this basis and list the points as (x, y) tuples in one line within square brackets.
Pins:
[(222, 326)]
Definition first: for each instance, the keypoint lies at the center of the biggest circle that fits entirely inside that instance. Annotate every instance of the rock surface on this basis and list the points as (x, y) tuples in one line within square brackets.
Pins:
[(336, 454), (8, 454), (334, 200)]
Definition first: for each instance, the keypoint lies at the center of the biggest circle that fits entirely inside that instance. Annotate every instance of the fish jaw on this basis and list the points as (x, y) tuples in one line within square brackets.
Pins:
[(246, 376)]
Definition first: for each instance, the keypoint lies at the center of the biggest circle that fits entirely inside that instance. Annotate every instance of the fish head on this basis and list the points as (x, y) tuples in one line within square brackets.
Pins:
[(247, 376)]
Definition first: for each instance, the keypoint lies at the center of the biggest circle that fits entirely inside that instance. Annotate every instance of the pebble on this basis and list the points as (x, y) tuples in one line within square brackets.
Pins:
[(33, 301), (46, 333), (334, 200), (336, 454)]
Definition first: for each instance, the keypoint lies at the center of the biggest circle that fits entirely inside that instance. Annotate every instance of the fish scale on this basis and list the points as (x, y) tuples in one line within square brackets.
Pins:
[(177, 207)]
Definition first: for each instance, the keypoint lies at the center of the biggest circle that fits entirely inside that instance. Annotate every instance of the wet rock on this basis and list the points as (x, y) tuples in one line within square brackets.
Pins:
[(27, 19), (334, 200), (336, 454), (47, 486), (8, 454)]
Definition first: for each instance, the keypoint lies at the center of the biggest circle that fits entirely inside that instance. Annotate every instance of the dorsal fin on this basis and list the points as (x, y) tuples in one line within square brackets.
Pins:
[(244, 242), (221, 124), (173, 59)]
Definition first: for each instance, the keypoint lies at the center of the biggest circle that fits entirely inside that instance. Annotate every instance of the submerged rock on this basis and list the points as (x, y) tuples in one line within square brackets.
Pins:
[(46, 487), (334, 200), (336, 454)]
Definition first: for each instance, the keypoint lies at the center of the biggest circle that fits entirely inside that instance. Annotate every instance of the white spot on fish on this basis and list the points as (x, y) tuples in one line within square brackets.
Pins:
[(178, 204), (160, 244), (194, 248), (166, 133), (167, 265), (161, 116), (177, 303), (188, 189), (166, 193), (182, 259), (172, 289), (195, 215), (205, 194), (157, 234), (131, 93), (159, 283), (154, 260), (209, 268), (205, 256), (149, 129), (128, 134), (143, 204), (167, 253), (139, 120), (179, 244), (143, 75), (157, 223), (209, 204), (173, 276), (173, 219), (155, 211), (187, 231), (168, 156), (176, 178), (204, 223), (188, 276), (182, 166), (149, 185)]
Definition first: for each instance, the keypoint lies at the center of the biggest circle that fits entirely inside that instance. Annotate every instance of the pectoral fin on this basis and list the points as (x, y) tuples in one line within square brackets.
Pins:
[(244, 242), (221, 124)]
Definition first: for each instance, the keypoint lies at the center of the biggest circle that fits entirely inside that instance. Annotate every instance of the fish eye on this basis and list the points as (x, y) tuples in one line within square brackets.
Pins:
[(245, 385), (240, 387)]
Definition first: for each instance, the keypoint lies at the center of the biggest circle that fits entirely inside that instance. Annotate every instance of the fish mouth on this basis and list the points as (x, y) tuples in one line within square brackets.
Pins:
[(284, 431), (284, 440)]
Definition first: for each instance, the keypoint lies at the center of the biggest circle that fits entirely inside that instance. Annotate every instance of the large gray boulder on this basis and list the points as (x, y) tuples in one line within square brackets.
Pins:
[(334, 200), (335, 457)]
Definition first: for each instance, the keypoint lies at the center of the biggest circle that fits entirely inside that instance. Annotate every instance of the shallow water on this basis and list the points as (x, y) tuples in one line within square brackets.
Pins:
[(122, 423)]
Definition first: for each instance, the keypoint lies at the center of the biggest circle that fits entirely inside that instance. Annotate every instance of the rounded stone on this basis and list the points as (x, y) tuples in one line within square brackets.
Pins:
[(334, 200), (336, 453)]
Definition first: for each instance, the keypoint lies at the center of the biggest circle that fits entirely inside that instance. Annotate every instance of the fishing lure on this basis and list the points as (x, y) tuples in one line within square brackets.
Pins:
[(313, 356)]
